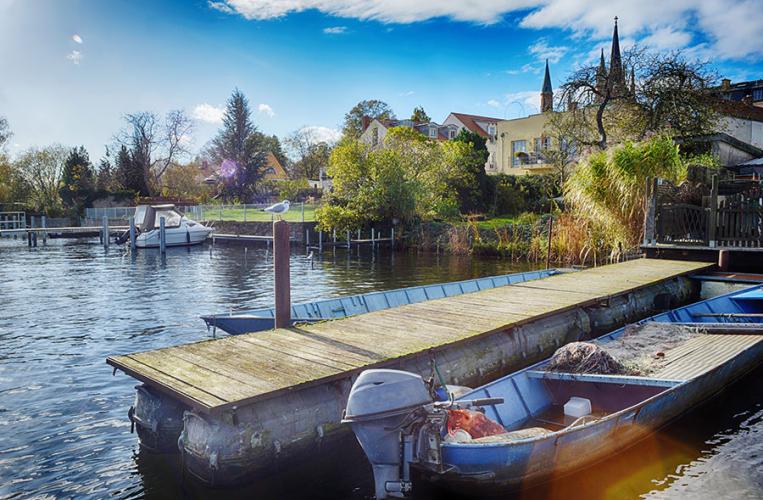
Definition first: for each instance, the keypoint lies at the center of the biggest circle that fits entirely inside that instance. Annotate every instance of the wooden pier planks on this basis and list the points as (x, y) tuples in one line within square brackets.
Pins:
[(704, 353), (217, 374)]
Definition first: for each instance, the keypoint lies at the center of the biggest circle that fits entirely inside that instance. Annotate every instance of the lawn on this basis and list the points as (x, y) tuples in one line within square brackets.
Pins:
[(252, 214)]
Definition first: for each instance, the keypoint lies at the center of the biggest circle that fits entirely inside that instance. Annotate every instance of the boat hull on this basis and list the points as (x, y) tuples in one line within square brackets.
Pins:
[(343, 307)]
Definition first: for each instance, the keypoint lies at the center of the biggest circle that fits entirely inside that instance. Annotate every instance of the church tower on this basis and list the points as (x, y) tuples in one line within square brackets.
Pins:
[(616, 72), (546, 93)]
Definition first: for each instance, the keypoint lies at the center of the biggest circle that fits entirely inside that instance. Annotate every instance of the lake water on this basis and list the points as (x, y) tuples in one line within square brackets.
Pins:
[(65, 307)]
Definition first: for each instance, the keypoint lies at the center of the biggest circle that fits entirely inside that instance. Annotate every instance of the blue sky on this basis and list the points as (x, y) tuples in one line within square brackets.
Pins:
[(69, 69)]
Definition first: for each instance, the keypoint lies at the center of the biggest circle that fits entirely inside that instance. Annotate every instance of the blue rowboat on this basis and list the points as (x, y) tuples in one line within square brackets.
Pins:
[(400, 426), (342, 307)]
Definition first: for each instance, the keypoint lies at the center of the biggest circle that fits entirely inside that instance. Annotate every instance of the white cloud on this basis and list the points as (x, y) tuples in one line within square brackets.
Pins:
[(75, 56), (322, 134), (407, 94), (208, 113), (731, 26), (335, 30), (265, 109), (542, 50), (528, 101), (494, 104), (77, 39)]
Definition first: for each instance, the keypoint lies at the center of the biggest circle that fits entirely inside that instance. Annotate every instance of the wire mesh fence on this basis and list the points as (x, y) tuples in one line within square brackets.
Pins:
[(254, 212)]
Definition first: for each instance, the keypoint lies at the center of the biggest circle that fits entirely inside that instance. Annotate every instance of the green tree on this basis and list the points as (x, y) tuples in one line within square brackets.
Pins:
[(105, 177), (130, 174), (473, 186), (77, 181), (238, 150), (42, 170), (374, 109), (419, 115)]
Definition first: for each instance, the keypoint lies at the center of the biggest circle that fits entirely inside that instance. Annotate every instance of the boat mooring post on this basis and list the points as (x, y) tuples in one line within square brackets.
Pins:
[(373, 241), (132, 233), (105, 231), (281, 270), (44, 224), (348, 239), (392, 238), (162, 236), (548, 250), (320, 241)]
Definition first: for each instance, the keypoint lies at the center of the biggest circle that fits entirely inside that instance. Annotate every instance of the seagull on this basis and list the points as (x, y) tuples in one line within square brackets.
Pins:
[(278, 209)]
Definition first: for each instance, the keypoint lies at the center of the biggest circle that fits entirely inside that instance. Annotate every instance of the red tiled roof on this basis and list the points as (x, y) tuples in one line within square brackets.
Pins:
[(739, 110), (470, 122)]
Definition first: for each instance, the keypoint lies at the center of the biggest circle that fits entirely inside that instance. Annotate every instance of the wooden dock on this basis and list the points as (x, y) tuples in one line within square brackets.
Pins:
[(215, 375)]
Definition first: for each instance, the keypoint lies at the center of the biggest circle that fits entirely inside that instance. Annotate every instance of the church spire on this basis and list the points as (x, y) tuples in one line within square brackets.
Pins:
[(616, 73), (546, 93), (601, 73)]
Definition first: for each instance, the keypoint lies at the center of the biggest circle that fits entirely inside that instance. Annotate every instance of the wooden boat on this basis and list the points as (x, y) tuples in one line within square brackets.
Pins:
[(401, 427), (342, 307)]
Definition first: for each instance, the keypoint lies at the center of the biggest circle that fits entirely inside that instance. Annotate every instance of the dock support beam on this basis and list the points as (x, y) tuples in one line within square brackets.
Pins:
[(282, 279), (105, 231), (724, 260), (162, 236), (132, 233)]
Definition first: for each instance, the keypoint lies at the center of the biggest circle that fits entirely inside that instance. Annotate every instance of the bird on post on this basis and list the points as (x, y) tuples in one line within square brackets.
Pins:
[(278, 209)]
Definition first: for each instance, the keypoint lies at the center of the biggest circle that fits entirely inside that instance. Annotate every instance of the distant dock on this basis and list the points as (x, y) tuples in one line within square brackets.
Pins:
[(282, 391)]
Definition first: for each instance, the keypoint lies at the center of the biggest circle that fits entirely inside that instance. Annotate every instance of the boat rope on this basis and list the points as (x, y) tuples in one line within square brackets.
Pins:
[(436, 370)]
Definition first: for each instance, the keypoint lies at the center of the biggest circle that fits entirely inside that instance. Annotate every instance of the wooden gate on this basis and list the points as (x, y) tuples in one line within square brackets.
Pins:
[(740, 219)]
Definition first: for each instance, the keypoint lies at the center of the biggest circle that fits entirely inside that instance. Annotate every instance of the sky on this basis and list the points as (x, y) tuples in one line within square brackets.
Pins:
[(71, 69)]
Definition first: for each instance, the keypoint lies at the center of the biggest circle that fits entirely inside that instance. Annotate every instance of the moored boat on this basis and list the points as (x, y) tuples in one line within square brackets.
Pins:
[(547, 422), (342, 307), (179, 230)]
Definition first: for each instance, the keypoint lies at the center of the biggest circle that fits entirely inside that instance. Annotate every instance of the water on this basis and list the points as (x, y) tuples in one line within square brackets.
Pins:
[(63, 428)]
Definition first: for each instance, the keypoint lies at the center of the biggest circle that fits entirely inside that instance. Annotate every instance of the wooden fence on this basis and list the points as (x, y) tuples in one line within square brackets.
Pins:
[(735, 220)]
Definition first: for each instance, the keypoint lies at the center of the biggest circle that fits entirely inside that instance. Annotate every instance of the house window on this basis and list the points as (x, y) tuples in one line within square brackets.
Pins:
[(518, 153), (491, 129), (270, 171), (375, 136), (433, 132), (757, 95), (452, 133)]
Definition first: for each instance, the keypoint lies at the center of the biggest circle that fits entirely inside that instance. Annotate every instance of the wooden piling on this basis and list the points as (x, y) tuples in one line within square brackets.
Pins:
[(320, 241), (105, 231), (44, 224), (724, 260), (162, 236), (548, 250), (348, 238), (133, 244), (392, 238), (282, 279)]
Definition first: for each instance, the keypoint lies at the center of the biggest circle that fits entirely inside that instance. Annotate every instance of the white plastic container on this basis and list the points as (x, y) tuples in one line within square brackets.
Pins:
[(577, 407)]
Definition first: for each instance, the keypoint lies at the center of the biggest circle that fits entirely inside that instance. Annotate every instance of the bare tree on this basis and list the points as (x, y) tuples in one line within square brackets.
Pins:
[(642, 94), (153, 144), (309, 154), (5, 132)]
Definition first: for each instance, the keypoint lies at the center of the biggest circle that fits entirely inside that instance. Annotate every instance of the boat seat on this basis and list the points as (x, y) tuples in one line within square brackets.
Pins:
[(530, 432)]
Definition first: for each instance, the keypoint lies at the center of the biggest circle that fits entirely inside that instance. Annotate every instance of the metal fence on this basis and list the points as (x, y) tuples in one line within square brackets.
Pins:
[(298, 212)]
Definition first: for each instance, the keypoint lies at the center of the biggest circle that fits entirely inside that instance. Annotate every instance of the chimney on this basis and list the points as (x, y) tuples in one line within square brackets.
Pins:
[(725, 84), (365, 121)]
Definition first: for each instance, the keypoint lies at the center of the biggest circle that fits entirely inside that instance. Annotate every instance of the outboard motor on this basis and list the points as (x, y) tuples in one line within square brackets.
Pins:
[(397, 422), (379, 402)]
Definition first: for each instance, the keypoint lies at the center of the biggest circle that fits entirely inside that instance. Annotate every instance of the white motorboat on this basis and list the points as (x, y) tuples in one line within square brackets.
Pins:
[(179, 230)]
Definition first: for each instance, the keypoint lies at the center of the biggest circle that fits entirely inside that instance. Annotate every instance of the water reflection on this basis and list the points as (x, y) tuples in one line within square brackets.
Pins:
[(63, 425)]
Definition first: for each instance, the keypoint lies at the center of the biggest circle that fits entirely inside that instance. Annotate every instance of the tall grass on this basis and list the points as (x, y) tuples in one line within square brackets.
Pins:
[(606, 195)]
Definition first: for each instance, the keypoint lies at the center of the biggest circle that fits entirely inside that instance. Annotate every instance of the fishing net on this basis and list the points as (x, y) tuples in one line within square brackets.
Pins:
[(585, 357)]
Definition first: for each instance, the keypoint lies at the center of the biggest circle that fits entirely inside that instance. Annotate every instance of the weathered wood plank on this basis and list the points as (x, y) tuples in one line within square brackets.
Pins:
[(243, 368)]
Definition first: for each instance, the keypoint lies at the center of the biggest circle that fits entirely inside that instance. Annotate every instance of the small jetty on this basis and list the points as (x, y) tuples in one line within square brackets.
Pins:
[(281, 392)]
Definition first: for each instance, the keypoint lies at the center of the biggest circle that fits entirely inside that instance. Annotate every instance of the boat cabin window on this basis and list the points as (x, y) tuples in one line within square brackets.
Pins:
[(171, 218)]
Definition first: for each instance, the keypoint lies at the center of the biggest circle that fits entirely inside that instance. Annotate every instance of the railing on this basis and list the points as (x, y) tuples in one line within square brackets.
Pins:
[(733, 220), (298, 212), (12, 220), (681, 224)]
